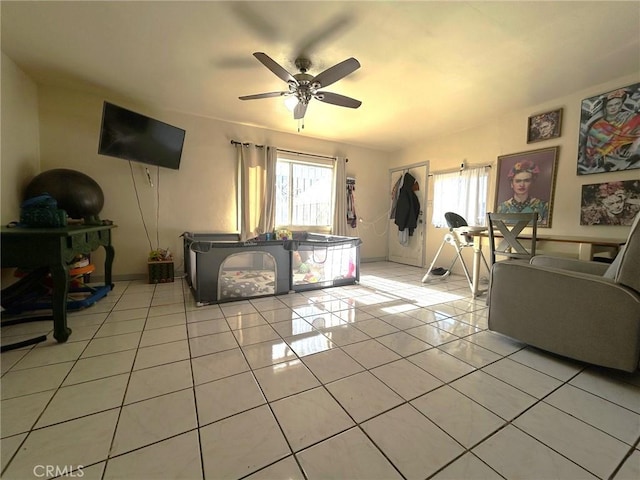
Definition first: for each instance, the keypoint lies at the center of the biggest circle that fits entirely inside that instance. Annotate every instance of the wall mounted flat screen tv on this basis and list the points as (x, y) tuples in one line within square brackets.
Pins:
[(132, 136)]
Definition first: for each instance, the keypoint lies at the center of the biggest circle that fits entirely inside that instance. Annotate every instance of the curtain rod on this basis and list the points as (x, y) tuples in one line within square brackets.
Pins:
[(247, 144), (463, 166), (308, 154)]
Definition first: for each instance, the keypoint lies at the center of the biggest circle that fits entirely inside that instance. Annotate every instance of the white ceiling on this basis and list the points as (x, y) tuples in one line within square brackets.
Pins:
[(428, 68)]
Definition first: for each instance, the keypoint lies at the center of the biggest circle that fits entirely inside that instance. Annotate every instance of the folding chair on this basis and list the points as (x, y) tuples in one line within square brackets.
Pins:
[(459, 237), (510, 226)]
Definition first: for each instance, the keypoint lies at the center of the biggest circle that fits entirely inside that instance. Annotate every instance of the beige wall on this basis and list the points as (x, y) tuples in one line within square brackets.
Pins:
[(506, 134), (200, 197), (20, 151), (20, 138)]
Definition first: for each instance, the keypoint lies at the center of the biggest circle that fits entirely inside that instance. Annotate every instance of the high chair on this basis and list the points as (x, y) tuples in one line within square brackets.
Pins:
[(459, 237)]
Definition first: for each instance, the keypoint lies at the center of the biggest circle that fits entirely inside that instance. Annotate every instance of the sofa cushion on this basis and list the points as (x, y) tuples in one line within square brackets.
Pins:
[(613, 267)]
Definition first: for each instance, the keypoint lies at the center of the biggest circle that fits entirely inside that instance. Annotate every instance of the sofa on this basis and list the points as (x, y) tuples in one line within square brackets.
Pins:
[(587, 311)]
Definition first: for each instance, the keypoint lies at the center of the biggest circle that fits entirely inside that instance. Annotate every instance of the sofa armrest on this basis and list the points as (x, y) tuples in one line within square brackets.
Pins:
[(572, 264), (575, 314)]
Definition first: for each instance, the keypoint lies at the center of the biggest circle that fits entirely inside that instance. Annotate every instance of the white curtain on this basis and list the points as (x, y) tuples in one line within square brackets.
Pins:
[(340, 197), (256, 181), (463, 192), (267, 215)]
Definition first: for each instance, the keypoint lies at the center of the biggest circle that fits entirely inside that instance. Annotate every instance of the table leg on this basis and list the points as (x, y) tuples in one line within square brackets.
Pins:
[(108, 263), (585, 251), (477, 255), (60, 278)]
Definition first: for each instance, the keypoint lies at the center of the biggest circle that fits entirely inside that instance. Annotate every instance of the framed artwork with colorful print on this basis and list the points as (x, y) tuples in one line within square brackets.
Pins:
[(609, 138)]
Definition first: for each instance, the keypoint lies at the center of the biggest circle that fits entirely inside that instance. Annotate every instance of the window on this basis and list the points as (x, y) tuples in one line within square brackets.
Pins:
[(463, 192), (304, 192)]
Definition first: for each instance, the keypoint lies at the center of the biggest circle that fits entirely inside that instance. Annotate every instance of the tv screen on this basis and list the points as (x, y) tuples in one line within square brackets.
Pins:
[(132, 136)]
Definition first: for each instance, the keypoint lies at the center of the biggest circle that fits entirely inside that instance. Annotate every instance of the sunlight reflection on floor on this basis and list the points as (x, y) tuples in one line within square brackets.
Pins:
[(417, 295)]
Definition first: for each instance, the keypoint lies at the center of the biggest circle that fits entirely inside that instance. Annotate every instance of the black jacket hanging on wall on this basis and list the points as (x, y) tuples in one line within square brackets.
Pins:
[(408, 206)]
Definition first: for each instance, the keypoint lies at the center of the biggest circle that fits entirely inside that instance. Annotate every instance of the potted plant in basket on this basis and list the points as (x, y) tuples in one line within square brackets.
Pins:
[(160, 264)]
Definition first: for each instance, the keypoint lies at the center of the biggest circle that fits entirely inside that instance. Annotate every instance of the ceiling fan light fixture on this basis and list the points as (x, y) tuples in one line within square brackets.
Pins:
[(290, 102)]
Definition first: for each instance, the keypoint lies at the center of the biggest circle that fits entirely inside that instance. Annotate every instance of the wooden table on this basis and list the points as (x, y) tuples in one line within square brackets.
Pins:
[(586, 245), (586, 248), (55, 248)]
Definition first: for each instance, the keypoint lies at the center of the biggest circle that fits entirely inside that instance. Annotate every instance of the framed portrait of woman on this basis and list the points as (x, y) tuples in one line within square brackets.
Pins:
[(609, 138), (544, 126), (526, 183)]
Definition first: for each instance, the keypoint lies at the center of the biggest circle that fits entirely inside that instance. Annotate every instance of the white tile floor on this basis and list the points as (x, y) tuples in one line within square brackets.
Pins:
[(386, 379)]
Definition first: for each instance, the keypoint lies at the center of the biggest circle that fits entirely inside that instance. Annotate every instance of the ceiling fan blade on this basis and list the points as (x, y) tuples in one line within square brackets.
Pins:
[(322, 35), (338, 71), (336, 99), (272, 65), (263, 95), (253, 19), (300, 110)]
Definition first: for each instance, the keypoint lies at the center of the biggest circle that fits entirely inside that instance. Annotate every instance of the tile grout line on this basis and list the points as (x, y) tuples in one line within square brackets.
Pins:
[(268, 404), (124, 395)]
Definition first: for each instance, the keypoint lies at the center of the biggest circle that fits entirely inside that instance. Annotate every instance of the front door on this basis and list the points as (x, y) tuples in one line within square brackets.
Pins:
[(413, 252)]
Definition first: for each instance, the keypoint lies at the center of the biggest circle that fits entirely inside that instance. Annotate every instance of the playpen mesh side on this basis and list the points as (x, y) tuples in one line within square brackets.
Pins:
[(323, 264), (191, 271), (246, 275)]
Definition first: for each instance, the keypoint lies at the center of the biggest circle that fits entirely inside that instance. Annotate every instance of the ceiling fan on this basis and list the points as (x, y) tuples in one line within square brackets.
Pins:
[(305, 87)]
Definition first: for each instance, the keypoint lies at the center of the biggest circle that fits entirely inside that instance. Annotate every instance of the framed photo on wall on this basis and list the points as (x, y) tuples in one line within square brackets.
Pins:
[(544, 126), (611, 203), (609, 138), (526, 183)]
